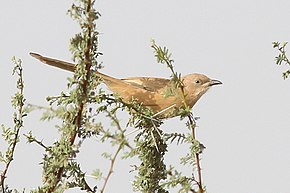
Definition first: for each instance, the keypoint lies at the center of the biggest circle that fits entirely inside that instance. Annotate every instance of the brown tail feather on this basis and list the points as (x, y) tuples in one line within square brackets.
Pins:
[(54, 62), (71, 67)]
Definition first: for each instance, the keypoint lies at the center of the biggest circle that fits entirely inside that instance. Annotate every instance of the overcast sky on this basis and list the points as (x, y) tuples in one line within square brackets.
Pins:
[(244, 122)]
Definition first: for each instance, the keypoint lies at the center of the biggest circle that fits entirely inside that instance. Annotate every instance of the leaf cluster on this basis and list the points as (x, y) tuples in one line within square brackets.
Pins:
[(282, 57), (164, 57)]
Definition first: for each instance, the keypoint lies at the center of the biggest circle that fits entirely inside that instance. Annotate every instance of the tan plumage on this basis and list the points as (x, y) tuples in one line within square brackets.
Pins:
[(147, 90)]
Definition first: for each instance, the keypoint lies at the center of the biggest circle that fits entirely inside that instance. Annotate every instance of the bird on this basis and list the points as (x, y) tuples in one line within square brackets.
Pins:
[(151, 92)]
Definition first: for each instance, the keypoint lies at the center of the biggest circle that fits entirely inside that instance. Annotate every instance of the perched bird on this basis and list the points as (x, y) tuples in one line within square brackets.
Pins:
[(151, 92)]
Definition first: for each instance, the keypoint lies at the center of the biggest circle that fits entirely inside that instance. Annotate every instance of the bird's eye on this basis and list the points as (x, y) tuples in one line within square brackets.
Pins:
[(197, 81)]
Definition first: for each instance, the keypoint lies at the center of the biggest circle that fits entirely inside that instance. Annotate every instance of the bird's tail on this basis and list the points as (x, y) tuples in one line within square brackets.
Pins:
[(70, 67), (54, 62)]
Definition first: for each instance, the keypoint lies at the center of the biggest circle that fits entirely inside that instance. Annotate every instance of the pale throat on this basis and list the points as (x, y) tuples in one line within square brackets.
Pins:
[(189, 96)]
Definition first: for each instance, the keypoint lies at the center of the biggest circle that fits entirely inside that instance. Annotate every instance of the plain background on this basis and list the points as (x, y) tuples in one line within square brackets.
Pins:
[(244, 123)]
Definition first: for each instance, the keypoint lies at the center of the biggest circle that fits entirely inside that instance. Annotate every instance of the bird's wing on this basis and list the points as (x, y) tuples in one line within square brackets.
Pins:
[(150, 84)]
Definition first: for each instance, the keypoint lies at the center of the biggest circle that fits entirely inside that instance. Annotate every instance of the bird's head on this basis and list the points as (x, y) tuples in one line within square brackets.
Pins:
[(195, 85)]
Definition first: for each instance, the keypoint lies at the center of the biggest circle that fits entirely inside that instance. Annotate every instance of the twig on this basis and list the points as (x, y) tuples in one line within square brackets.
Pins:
[(131, 132), (32, 139), (199, 181), (18, 121), (122, 143), (113, 160), (116, 121)]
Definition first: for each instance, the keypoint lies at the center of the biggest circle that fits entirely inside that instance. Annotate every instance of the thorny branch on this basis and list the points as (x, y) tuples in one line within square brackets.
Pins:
[(163, 56), (84, 86), (13, 137)]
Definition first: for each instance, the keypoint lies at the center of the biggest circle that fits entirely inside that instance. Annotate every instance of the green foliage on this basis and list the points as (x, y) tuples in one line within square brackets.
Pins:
[(11, 135), (282, 57), (60, 170), (151, 149), (164, 57), (176, 178)]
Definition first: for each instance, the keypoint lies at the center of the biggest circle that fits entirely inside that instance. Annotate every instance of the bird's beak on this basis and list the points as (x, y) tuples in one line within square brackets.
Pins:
[(214, 82)]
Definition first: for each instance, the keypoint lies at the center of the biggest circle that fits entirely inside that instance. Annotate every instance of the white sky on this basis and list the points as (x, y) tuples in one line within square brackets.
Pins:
[(244, 123)]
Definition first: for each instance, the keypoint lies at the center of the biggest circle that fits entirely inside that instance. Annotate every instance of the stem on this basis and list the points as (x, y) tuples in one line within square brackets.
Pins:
[(18, 123), (116, 121), (164, 57), (199, 181), (32, 139), (197, 159), (113, 160), (3, 174), (122, 142), (78, 119)]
